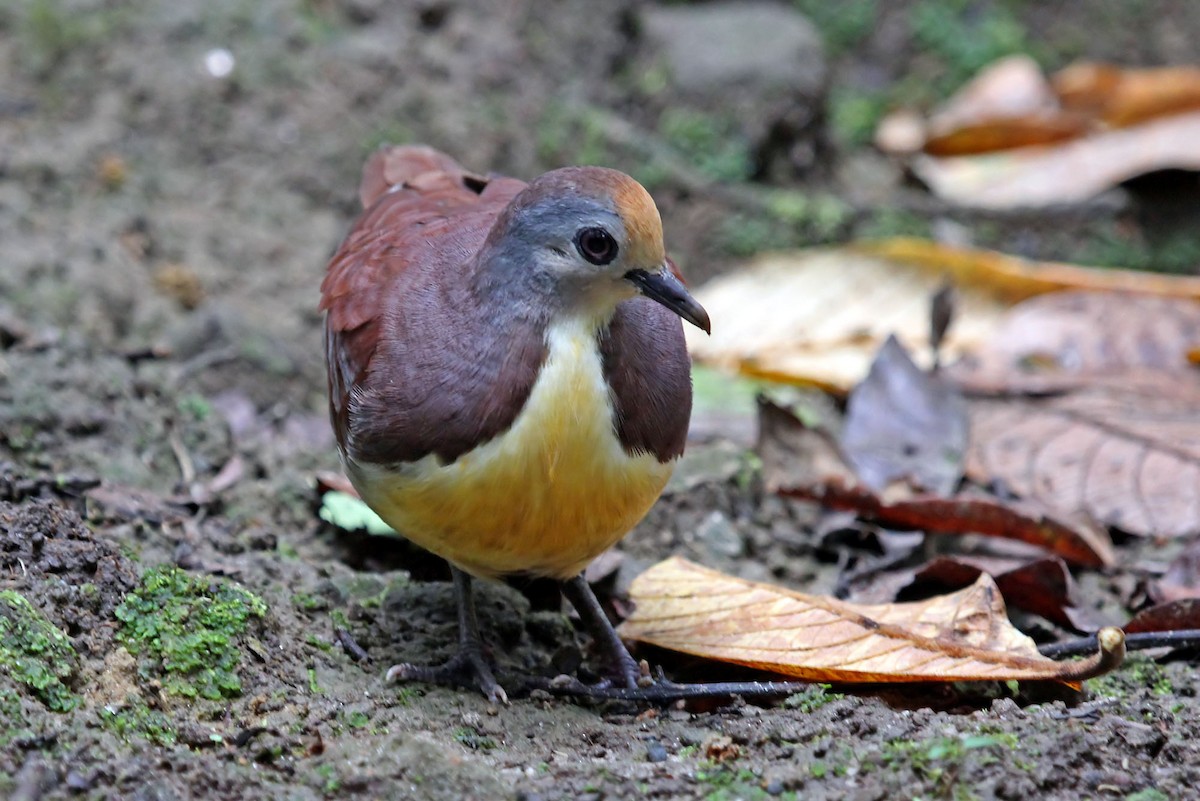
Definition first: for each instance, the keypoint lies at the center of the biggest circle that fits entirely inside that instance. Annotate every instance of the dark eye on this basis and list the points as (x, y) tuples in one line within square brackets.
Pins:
[(596, 245)]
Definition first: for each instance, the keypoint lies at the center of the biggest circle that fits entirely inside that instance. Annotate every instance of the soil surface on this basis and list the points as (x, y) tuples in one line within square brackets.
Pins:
[(173, 177)]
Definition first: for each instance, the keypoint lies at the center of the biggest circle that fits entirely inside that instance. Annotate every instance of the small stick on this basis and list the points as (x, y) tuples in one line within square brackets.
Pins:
[(352, 648), (1140, 641)]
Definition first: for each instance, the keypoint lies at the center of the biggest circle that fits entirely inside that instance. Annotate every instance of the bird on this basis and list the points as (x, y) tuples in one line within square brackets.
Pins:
[(509, 384)]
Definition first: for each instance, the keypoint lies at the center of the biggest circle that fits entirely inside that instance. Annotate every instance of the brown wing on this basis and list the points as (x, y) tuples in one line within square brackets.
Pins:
[(648, 369), (423, 211)]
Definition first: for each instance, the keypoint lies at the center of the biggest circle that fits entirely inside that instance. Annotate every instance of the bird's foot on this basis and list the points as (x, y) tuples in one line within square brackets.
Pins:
[(467, 668), (631, 673)]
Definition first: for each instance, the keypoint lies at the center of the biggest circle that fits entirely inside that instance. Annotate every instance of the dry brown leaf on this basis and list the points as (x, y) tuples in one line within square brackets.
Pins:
[(1005, 134), (962, 636), (1125, 453), (1067, 172), (1009, 139), (1171, 616), (1009, 104), (1013, 279), (905, 424), (805, 463), (1120, 97), (818, 317), (1182, 579), (1008, 88), (1117, 434), (1066, 340)]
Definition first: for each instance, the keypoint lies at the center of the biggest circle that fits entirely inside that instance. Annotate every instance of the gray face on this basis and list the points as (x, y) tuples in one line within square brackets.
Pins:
[(582, 239), (577, 244)]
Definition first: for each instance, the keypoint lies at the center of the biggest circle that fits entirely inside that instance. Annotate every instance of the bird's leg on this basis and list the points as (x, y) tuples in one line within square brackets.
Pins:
[(579, 593), (467, 667)]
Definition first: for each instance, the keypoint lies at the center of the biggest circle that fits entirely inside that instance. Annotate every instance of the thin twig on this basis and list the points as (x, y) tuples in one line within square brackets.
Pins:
[(1139, 641), (187, 470), (350, 646)]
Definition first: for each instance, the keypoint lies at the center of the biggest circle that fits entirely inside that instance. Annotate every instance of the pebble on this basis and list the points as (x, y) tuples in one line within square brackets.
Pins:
[(656, 752)]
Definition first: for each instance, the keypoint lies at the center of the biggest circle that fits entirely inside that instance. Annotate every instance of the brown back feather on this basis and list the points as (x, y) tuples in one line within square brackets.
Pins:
[(434, 221)]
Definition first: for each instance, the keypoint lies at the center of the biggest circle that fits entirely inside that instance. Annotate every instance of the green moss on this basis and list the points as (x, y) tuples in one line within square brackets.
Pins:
[(36, 653), (743, 235), (570, 136), (939, 759), (357, 719), (139, 721), (473, 739), (965, 37), (1149, 794), (1137, 673), (710, 142), (821, 217), (331, 782), (843, 25), (194, 406), (185, 629), (727, 783), (887, 222), (854, 114), (812, 698)]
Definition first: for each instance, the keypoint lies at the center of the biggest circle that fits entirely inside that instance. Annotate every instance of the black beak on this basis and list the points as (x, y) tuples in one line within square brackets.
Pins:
[(668, 290)]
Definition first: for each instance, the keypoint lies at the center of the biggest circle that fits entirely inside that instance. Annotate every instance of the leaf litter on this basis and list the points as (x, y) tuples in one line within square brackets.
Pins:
[(1013, 138), (1055, 391)]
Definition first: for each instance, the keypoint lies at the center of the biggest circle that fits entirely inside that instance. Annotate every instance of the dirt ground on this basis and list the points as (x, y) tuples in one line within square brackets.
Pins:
[(164, 233)]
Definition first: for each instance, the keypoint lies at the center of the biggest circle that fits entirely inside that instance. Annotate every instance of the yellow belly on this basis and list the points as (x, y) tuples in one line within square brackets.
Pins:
[(544, 498)]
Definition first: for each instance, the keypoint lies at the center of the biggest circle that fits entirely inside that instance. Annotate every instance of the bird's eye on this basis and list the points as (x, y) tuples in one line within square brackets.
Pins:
[(596, 245)]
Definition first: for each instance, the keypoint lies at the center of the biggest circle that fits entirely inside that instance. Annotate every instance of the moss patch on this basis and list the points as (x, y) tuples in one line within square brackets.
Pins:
[(185, 631), (35, 652), (138, 721)]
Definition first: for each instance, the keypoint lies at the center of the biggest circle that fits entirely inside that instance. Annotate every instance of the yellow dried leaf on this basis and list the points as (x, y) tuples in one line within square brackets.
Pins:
[(818, 317), (962, 636)]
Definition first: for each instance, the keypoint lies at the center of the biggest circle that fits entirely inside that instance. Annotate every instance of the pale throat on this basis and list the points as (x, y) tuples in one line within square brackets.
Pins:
[(594, 306)]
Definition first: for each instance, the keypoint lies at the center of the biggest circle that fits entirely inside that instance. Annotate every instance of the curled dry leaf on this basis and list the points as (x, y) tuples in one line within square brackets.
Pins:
[(826, 315), (1043, 586), (805, 463), (1070, 171), (1119, 97), (1010, 138), (961, 636)]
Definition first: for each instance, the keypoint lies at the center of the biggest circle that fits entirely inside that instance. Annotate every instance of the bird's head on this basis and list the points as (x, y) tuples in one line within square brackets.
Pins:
[(594, 238)]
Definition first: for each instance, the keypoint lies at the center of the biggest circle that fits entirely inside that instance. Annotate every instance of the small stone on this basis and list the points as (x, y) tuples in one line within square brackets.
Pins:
[(77, 781), (656, 752), (718, 535)]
